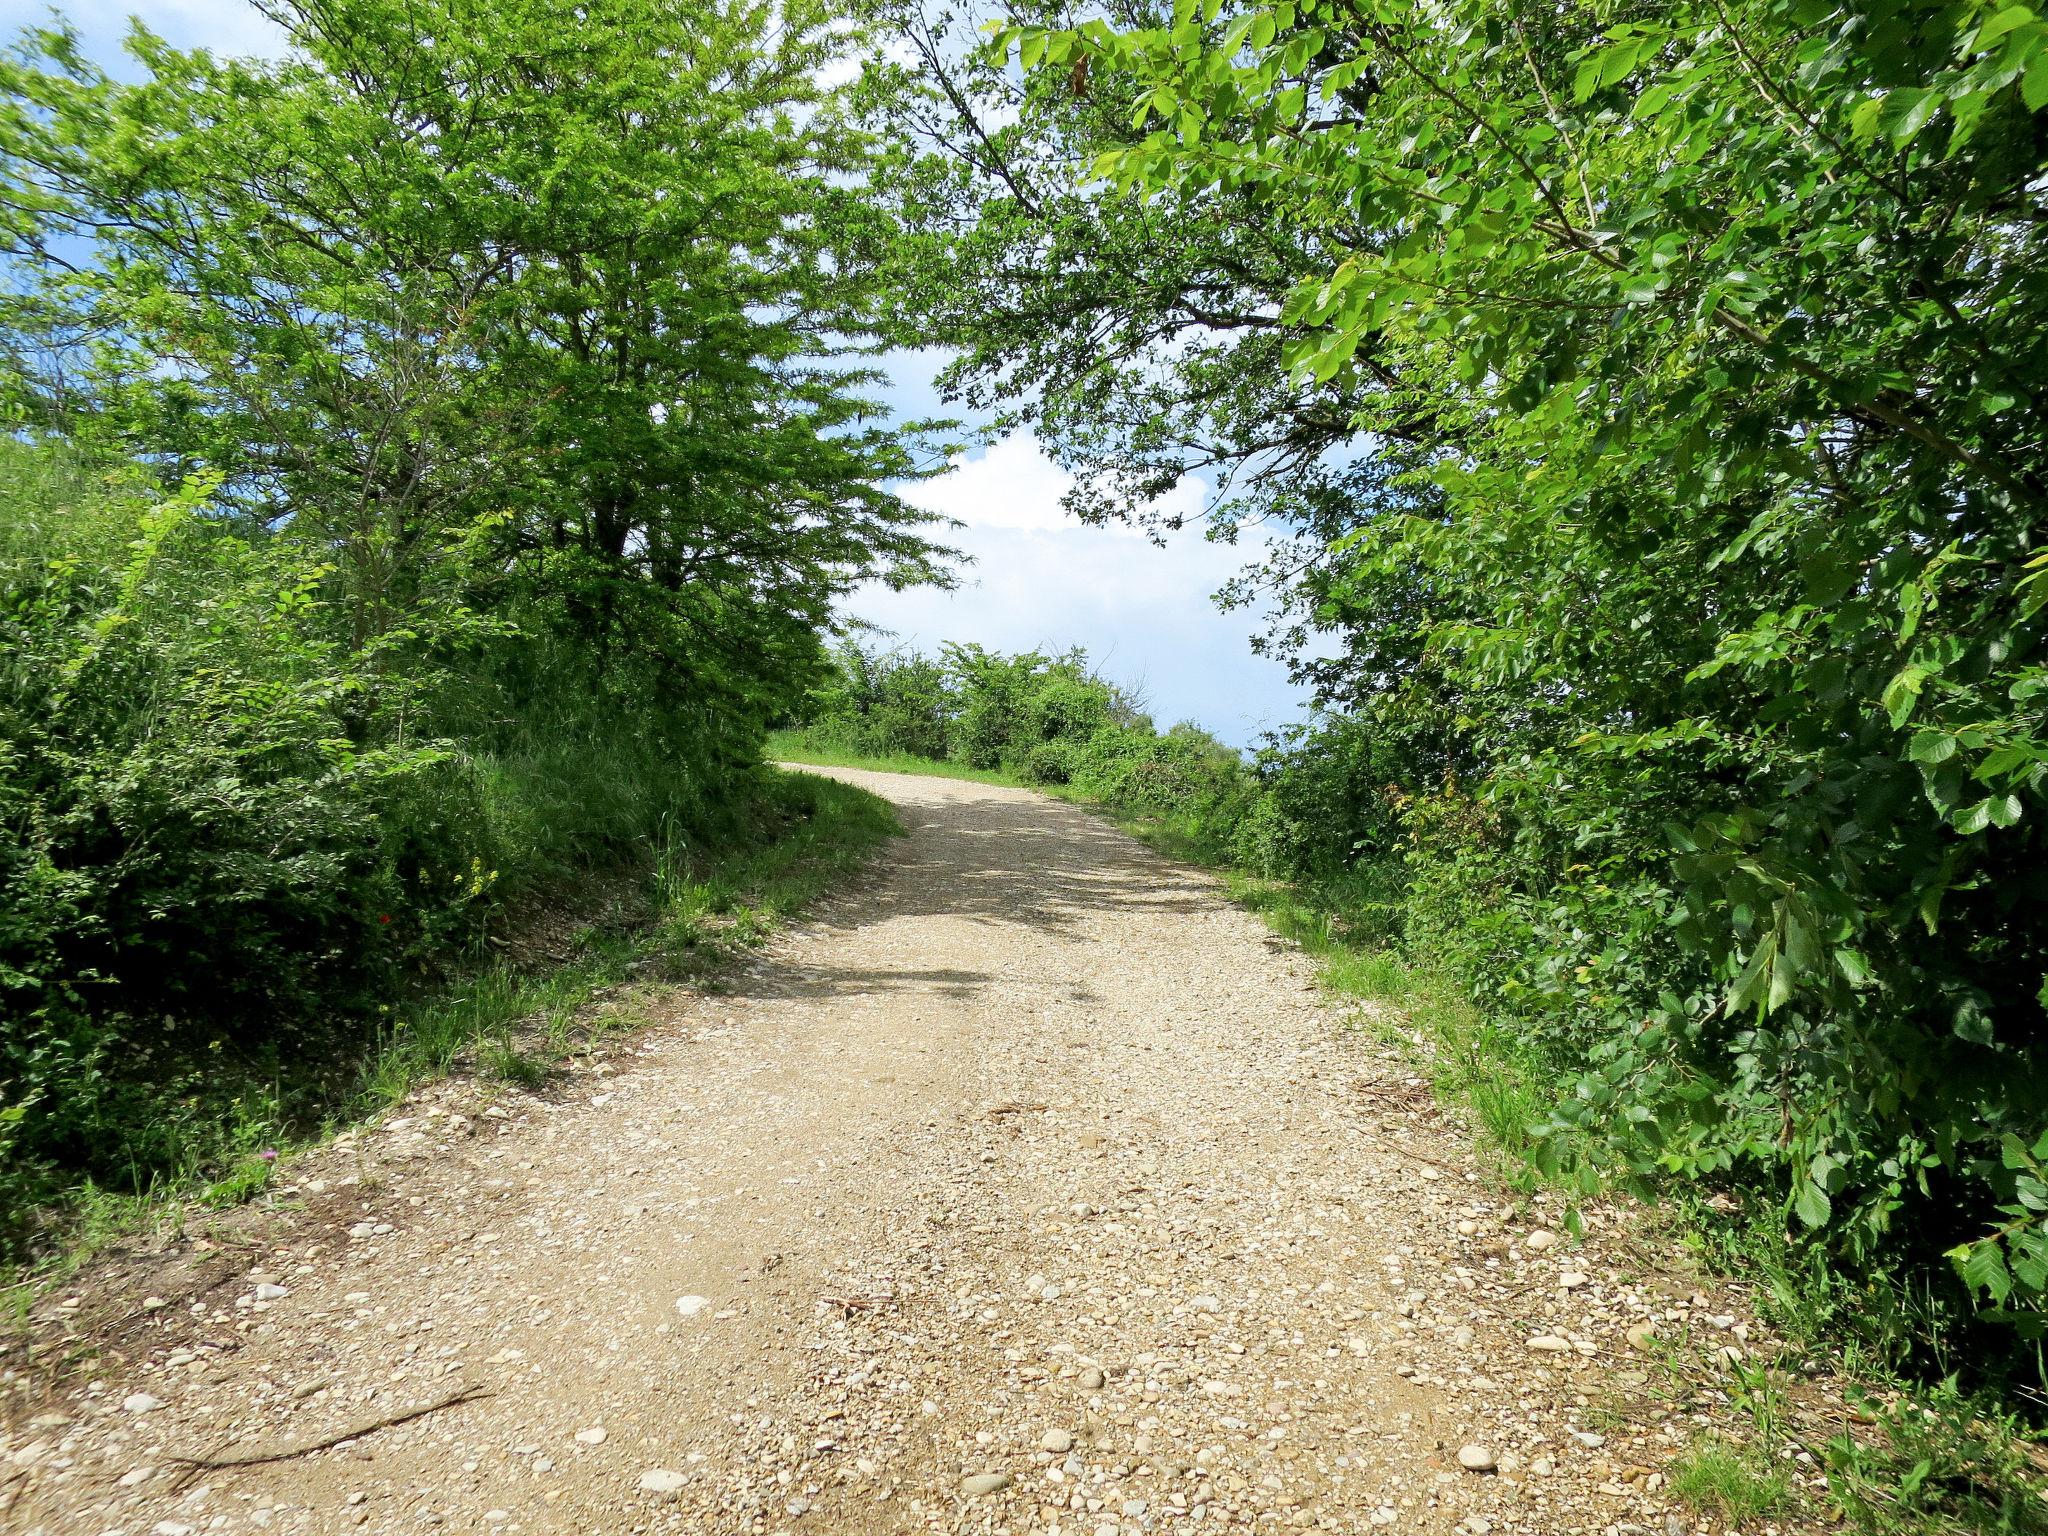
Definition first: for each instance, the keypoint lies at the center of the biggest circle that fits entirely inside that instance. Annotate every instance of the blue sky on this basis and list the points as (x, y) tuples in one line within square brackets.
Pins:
[(1037, 579)]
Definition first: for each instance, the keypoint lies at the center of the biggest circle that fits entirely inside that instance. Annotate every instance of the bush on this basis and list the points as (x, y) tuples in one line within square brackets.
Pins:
[(233, 840)]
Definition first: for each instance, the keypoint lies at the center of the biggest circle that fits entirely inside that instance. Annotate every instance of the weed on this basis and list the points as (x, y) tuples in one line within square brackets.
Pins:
[(503, 1059), (1941, 1463), (1729, 1481)]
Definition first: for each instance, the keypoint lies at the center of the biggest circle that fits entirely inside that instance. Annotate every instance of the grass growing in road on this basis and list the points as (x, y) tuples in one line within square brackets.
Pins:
[(1720, 1479)]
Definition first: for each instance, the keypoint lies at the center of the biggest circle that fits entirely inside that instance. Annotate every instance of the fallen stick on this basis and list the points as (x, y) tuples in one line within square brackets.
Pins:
[(1386, 1145), (195, 1465)]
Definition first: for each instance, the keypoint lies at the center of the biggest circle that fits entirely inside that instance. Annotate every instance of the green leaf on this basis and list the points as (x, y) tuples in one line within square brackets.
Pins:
[(2005, 21), (2034, 87), (1932, 746), (1812, 1205), (1982, 1267), (1919, 107)]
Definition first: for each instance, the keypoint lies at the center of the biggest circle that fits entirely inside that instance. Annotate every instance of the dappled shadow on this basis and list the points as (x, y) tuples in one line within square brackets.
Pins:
[(986, 855), (837, 981)]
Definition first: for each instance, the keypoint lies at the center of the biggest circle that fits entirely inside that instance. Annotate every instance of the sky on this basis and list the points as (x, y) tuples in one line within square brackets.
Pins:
[(1036, 578)]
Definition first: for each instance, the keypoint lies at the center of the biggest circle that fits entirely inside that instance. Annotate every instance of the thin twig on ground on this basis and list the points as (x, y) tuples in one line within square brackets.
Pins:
[(194, 1466)]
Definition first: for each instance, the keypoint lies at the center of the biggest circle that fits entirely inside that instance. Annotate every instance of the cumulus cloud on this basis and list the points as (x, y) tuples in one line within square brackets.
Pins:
[(1040, 580), (1010, 485)]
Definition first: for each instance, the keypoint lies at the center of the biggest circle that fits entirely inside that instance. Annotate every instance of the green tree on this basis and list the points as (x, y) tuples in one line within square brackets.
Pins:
[(567, 292), (1680, 372)]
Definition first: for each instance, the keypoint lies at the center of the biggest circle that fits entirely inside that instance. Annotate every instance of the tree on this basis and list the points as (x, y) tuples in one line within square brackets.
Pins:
[(1702, 348), (566, 294)]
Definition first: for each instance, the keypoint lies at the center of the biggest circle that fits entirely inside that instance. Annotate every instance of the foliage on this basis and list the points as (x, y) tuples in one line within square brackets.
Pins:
[(1939, 1464), (1654, 399), (1044, 720), (435, 455)]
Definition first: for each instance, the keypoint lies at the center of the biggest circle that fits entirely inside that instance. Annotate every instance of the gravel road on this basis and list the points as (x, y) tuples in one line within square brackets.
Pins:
[(1029, 1187)]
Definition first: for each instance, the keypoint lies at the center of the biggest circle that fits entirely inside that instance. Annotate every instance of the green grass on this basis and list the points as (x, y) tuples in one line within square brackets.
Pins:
[(514, 1024), (707, 908), (797, 747), (1717, 1478)]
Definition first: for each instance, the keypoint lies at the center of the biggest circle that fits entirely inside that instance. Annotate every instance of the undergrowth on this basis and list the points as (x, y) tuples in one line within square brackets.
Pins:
[(514, 1020)]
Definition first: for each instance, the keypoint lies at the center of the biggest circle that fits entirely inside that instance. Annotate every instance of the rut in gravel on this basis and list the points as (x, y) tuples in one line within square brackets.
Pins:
[(1030, 1187)]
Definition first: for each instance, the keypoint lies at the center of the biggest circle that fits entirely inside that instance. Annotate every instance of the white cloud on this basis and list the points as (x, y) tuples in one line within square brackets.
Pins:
[(1040, 580), (1010, 485)]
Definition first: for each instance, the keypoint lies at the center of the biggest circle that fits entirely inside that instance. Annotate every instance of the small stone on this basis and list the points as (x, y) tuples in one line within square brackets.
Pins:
[(1542, 1466), (1536, 1242), (141, 1402), (1642, 1336), (1549, 1344), (1058, 1441), (271, 1292), (1572, 1279), (1092, 1380), (690, 1306), (1205, 1304), (1476, 1458), (663, 1481), (984, 1483), (591, 1436), (154, 1303), (138, 1475)]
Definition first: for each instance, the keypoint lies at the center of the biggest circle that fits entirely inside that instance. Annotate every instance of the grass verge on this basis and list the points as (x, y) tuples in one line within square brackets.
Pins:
[(695, 912)]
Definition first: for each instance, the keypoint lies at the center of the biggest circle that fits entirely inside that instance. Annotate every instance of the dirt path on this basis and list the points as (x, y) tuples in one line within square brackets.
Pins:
[(1029, 1188)]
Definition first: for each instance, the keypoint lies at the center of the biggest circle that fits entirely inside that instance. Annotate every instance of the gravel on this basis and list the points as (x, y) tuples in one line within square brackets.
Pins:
[(1032, 1187)]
